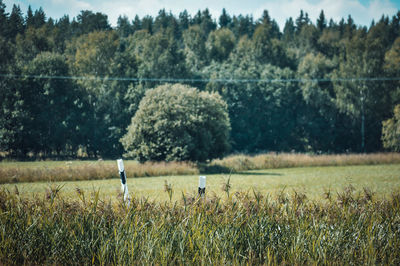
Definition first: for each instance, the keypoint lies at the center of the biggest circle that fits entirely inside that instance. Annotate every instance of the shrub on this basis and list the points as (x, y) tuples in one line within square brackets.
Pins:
[(178, 123)]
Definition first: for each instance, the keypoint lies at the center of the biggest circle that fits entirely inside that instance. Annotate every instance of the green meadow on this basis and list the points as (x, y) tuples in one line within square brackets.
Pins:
[(312, 181)]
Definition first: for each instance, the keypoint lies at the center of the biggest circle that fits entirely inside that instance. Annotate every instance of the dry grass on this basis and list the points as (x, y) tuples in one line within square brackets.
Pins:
[(90, 170), (14, 172), (238, 163)]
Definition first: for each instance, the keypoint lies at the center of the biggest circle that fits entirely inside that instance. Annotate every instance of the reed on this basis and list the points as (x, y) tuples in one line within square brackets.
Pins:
[(245, 228), (88, 170), (243, 162)]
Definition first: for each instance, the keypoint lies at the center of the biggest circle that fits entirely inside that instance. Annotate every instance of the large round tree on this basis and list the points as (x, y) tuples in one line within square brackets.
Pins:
[(178, 123)]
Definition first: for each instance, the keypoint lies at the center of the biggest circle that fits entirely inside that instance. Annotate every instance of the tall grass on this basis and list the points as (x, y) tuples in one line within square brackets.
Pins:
[(242, 162), (349, 228), (91, 170)]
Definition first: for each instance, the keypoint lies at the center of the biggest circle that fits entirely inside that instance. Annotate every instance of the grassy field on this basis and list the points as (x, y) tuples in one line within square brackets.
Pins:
[(288, 216), (352, 228), (312, 181), (17, 172)]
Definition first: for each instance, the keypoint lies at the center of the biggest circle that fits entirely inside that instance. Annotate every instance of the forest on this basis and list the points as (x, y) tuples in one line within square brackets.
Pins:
[(70, 86)]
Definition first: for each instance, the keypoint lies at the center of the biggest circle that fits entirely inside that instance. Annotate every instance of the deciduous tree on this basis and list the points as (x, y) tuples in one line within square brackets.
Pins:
[(178, 123)]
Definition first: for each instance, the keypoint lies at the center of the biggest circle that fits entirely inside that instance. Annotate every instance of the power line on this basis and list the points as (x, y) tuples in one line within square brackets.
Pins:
[(200, 80)]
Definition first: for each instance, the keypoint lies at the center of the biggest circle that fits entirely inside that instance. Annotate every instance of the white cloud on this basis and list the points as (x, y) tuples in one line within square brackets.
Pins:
[(129, 8), (81, 5), (9, 4), (379, 7), (57, 8), (73, 6)]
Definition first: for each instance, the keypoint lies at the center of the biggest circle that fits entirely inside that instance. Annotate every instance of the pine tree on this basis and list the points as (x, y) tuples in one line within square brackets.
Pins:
[(39, 18), (15, 22), (3, 19), (29, 18), (321, 21), (224, 19)]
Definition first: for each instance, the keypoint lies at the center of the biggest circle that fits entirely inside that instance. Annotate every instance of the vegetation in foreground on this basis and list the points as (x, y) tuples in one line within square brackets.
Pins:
[(347, 228), (15, 172)]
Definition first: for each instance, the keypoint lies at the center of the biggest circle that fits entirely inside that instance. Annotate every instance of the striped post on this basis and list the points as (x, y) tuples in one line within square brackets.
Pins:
[(202, 185), (122, 175)]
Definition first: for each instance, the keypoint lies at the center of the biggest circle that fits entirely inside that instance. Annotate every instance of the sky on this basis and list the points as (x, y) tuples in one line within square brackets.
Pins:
[(362, 11)]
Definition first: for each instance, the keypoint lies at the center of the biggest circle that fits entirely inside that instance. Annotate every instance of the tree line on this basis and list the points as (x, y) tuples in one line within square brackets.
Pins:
[(69, 87)]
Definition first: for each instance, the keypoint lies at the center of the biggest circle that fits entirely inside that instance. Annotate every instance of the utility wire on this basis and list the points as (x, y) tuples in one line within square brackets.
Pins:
[(197, 80)]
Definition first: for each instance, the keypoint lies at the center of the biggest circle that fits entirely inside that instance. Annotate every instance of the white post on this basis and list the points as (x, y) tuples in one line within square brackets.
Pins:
[(202, 185), (122, 175)]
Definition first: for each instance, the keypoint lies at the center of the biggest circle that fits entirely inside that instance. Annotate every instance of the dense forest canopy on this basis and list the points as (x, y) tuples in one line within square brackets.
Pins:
[(69, 87)]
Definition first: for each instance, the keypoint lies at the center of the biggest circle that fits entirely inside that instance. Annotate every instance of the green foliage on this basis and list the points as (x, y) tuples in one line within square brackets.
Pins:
[(205, 21), (224, 20), (103, 54), (111, 69), (328, 42), (308, 38), (178, 123), (124, 28), (3, 19), (391, 131), (89, 22), (15, 23), (39, 18), (316, 93), (321, 21), (12, 118), (392, 58), (220, 43), (161, 58), (94, 53), (243, 26), (261, 113), (321, 107), (43, 117), (195, 48), (52, 105), (365, 102), (392, 69), (32, 43)]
